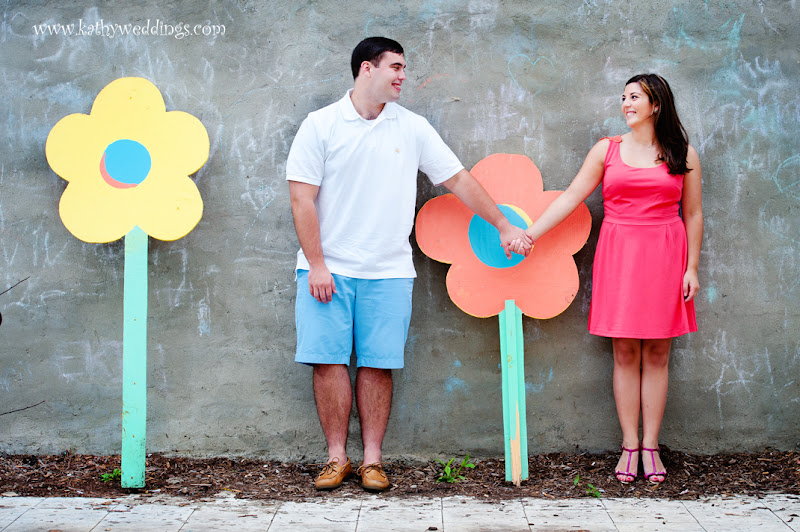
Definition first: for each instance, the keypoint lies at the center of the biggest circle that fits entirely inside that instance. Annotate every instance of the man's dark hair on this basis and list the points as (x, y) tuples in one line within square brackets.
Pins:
[(371, 49)]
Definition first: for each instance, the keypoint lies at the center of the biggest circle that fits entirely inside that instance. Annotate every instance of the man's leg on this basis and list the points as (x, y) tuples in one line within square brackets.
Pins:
[(325, 341), (374, 401), (334, 396), (383, 313)]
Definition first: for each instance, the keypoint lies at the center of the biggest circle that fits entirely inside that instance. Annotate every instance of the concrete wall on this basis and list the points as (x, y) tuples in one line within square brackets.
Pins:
[(538, 78)]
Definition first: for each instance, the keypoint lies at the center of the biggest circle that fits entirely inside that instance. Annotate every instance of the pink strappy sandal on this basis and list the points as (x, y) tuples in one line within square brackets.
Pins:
[(626, 477), (649, 476)]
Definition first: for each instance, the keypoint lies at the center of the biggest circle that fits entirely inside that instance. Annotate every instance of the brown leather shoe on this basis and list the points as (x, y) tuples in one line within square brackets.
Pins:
[(373, 477), (333, 474)]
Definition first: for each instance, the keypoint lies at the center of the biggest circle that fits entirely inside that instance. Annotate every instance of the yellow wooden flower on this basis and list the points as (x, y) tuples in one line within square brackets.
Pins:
[(128, 164)]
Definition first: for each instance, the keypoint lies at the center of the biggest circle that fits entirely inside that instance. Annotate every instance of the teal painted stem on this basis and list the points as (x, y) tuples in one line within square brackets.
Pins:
[(134, 360), (513, 376)]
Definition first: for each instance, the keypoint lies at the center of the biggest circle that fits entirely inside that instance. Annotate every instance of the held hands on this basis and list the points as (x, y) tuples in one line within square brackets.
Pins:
[(523, 246), (690, 285), (515, 239), (321, 284)]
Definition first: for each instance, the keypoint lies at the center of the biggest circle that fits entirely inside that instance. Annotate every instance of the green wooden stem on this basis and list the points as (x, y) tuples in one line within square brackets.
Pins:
[(134, 360), (515, 428)]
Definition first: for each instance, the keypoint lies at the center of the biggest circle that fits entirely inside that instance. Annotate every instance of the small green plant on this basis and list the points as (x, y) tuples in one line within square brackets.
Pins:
[(590, 489), (450, 474), (114, 475)]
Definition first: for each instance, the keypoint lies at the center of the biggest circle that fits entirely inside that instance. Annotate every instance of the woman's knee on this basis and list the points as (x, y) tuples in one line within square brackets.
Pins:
[(627, 352), (656, 352)]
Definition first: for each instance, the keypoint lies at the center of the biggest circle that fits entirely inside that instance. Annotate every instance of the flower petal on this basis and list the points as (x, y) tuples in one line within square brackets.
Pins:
[(552, 284), (172, 211), (509, 178), (468, 289), (127, 99), (178, 143), (74, 147), (96, 214), (442, 227)]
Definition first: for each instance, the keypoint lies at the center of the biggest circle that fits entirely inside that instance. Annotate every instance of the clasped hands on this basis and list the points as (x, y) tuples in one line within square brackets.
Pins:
[(520, 246), (516, 240)]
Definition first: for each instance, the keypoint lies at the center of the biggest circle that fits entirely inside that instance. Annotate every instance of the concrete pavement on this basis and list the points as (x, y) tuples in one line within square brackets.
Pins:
[(777, 512)]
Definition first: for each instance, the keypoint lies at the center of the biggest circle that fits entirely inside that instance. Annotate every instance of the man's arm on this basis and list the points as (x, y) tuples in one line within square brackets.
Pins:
[(306, 224), (474, 196)]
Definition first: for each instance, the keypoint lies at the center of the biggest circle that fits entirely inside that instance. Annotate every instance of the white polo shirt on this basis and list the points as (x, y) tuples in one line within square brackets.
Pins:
[(367, 174)]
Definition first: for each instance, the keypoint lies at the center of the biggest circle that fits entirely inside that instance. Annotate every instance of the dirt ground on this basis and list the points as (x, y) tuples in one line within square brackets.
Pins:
[(551, 475)]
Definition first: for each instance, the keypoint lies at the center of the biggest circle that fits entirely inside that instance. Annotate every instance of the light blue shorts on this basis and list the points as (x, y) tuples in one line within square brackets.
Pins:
[(373, 313)]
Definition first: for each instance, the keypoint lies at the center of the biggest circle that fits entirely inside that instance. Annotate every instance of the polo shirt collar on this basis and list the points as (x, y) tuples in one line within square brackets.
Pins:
[(349, 111)]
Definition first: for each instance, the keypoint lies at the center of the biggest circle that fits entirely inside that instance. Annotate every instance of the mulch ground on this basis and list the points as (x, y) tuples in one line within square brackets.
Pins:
[(551, 475)]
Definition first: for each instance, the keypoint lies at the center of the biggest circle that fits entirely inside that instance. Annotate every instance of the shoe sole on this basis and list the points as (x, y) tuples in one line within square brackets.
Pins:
[(328, 488), (333, 486), (375, 488)]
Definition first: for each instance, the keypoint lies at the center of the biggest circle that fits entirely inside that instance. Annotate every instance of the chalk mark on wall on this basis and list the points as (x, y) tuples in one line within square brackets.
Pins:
[(543, 380), (204, 316), (748, 375), (524, 57), (775, 214)]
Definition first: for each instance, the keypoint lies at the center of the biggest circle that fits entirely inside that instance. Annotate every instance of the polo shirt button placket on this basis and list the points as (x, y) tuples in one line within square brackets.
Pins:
[(371, 144)]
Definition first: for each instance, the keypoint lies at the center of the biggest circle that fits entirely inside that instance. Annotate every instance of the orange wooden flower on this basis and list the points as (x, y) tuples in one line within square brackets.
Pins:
[(544, 283)]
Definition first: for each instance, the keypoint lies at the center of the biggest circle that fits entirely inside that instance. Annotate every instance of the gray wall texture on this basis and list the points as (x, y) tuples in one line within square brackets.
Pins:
[(542, 79)]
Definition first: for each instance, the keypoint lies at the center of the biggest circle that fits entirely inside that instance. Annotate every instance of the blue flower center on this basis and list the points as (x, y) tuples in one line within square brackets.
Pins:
[(127, 162), (485, 239)]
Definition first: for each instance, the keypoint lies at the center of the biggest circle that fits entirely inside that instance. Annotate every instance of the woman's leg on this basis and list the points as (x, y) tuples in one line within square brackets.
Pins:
[(627, 393), (655, 380)]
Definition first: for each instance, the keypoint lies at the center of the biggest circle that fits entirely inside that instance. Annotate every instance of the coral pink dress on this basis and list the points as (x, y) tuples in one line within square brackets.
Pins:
[(637, 278)]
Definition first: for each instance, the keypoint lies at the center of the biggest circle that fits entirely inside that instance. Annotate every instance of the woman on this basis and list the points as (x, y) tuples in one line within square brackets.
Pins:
[(645, 269)]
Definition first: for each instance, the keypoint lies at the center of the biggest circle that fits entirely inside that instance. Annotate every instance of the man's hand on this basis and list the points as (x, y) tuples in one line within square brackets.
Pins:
[(306, 223), (515, 239), (321, 284)]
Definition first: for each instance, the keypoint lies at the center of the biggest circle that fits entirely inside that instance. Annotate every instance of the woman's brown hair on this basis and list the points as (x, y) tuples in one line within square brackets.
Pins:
[(670, 133)]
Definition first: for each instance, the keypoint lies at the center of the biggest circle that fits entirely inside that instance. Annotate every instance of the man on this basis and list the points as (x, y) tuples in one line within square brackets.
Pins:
[(352, 173)]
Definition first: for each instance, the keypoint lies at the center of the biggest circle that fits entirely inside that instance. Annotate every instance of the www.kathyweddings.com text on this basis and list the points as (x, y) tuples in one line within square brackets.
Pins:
[(148, 29)]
